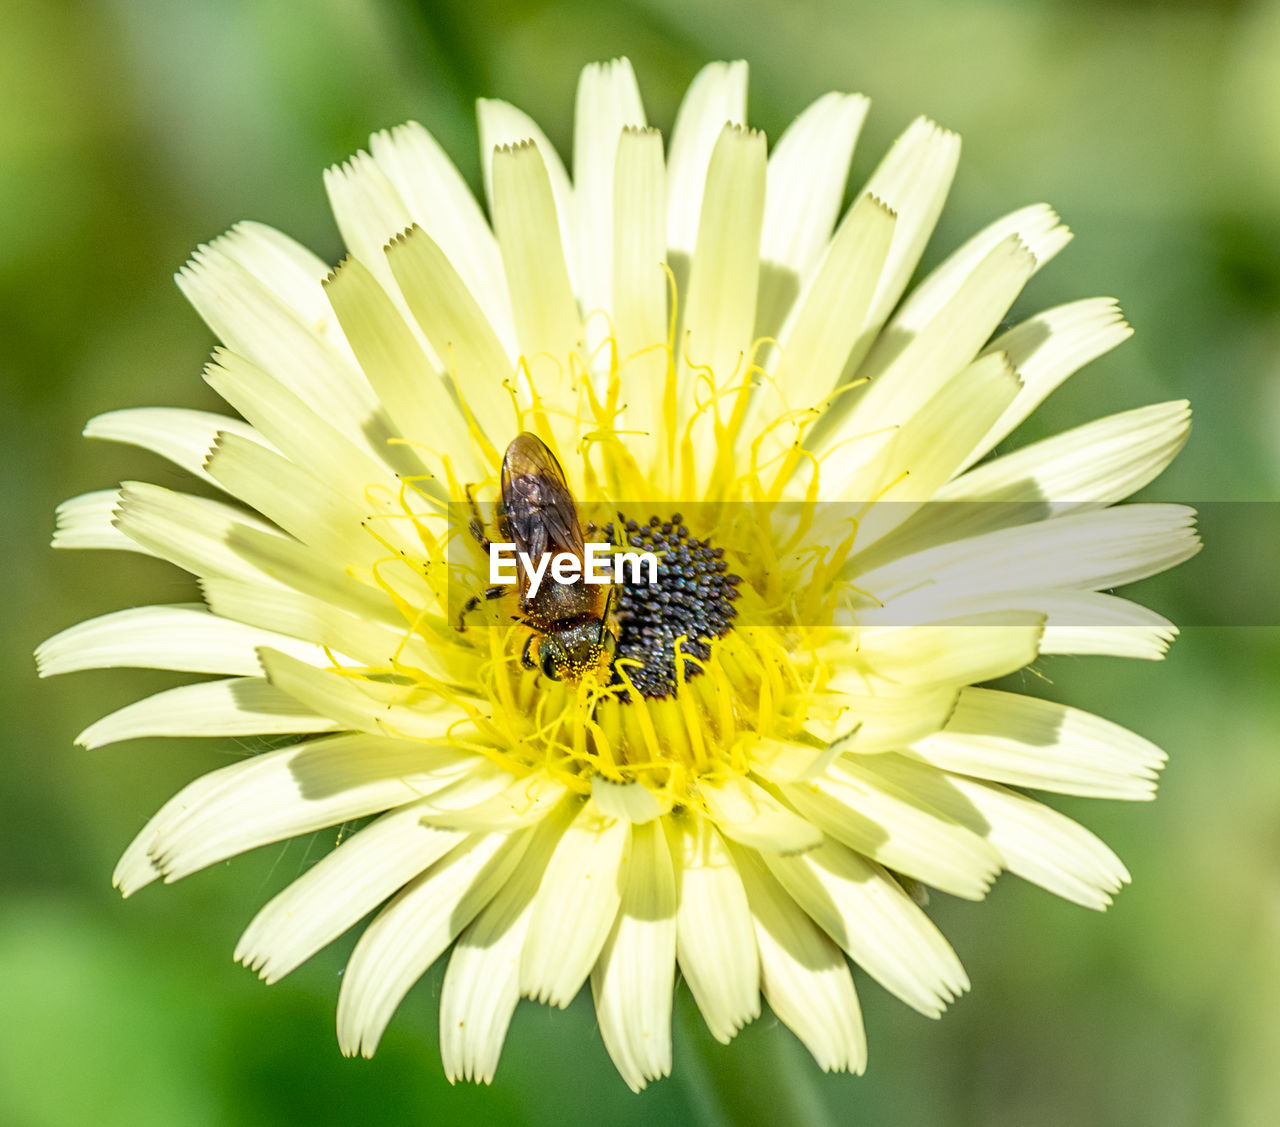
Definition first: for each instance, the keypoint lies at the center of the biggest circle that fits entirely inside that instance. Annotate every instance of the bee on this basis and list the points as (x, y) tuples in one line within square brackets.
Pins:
[(574, 631)]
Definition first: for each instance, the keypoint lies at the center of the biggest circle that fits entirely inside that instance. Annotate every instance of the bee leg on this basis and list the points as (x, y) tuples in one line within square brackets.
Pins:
[(467, 608), (475, 601), (525, 659), (476, 525)]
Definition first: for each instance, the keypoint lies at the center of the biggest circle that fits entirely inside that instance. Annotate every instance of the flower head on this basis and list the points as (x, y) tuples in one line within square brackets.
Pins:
[(781, 744)]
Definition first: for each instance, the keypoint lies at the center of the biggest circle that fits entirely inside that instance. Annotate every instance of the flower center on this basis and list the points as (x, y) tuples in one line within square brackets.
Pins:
[(690, 604), (717, 663)]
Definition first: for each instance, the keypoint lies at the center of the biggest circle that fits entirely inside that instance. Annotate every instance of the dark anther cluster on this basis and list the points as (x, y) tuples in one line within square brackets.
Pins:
[(693, 598)]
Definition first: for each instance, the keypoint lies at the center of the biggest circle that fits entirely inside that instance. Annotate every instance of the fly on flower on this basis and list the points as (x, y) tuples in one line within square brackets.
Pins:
[(573, 630), (795, 730)]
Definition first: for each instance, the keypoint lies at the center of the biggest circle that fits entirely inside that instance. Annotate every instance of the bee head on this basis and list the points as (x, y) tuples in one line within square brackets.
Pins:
[(569, 654)]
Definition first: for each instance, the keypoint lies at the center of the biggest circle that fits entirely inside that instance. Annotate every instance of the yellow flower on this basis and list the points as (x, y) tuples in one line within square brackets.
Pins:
[(788, 746)]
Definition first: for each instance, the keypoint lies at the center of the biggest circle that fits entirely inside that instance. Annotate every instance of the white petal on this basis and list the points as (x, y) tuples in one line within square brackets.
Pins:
[(715, 935), (440, 202), (928, 448), (411, 932), (251, 320), (1100, 463), (1084, 622), (301, 504), (364, 639), (368, 210), (635, 974), (482, 983), (630, 801), (237, 706), (480, 993), (136, 869), (829, 315), (1038, 229), (1097, 464), (719, 312), (717, 96), (1047, 848), (89, 521), (807, 173), (533, 256), (804, 976), (400, 372), (200, 535), (931, 443), (1088, 550), (779, 761), (904, 372), (869, 915), (912, 180), (882, 717), (358, 530), (283, 421), (575, 907), (271, 560), (1076, 622), (295, 790), (720, 308), (1047, 348), (955, 652), (608, 101), (1037, 843), (406, 711), (183, 636), (1024, 741), (748, 814), (502, 124), (457, 329), (633, 801), (183, 437), (896, 827), (522, 802), (639, 301), (342, 887), (287, 269)]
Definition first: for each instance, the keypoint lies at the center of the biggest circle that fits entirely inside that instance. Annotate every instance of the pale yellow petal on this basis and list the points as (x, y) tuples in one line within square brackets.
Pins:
[(235, 706), (640, 290), (608, 101), (633, 979), (896, 827), (868, 914), (803, 975), (414, 930), (714, 932), (1025, 741), (1047, 348), (181, 636), (575, 907), (717, 96), (750, 815), (439, 201), (405, 378), (501, 124), (458, 331)]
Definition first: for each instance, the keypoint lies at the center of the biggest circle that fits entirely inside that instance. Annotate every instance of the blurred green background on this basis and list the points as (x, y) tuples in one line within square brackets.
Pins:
[(130, 130)]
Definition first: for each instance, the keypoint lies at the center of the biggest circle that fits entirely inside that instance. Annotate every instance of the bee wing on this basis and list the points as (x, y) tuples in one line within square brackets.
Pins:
[(549, 523)]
